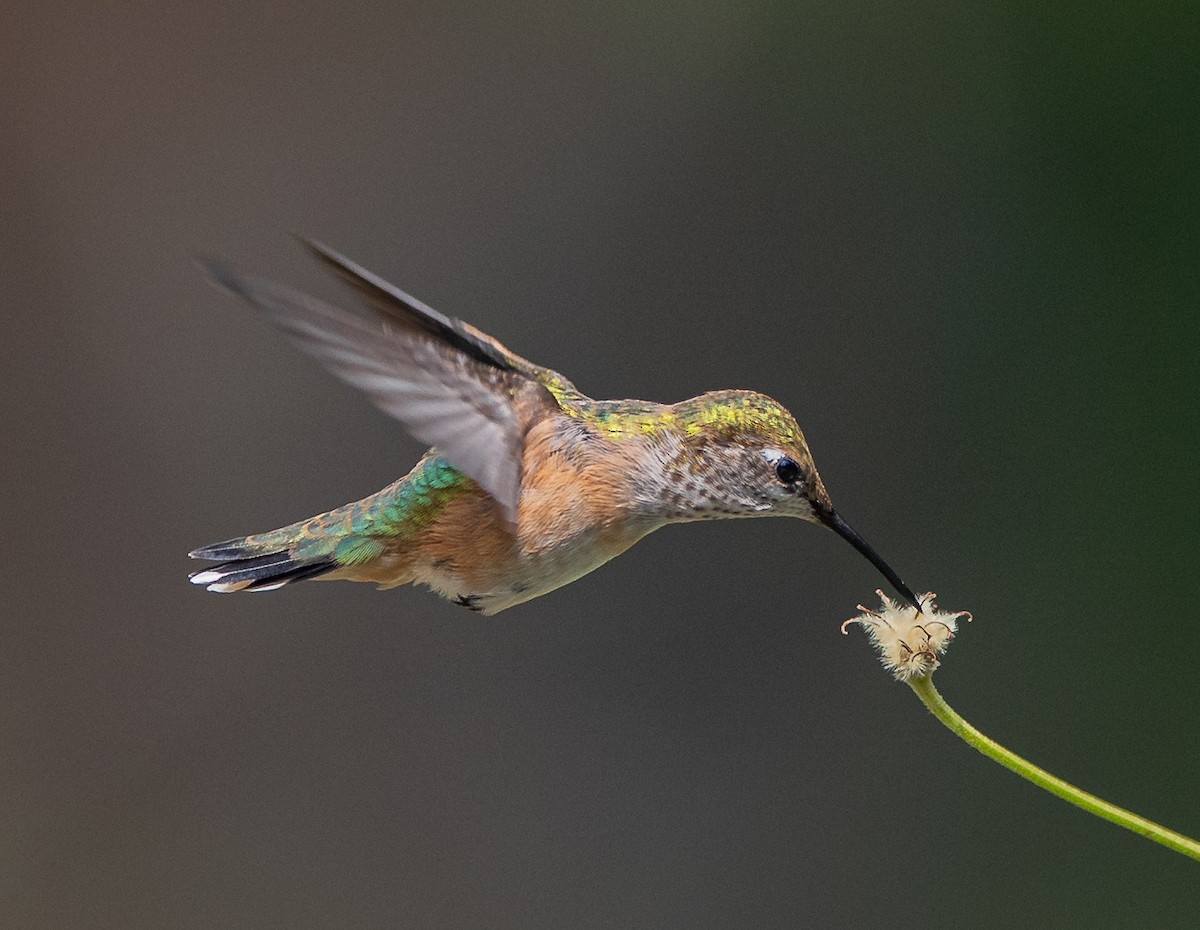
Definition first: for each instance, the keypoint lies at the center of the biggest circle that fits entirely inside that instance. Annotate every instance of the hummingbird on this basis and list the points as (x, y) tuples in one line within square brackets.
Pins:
[(529, 483)]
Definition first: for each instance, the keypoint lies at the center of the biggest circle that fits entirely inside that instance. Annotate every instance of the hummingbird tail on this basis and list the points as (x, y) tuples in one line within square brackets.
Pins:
[(349, 542), (245, 567)]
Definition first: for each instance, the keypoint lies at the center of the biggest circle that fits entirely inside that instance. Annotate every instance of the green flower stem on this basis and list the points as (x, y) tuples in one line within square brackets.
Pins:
[(923, 686)]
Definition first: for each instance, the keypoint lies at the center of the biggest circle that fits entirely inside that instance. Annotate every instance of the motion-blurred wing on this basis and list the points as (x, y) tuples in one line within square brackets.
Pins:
[(449, 387), (408, 312)]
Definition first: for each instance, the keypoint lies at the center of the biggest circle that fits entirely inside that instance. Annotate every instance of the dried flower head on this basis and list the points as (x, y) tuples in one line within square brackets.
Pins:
[(908, 642)]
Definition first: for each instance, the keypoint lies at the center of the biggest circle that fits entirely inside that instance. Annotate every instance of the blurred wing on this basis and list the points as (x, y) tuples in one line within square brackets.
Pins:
[(408, 312), (450, 388)]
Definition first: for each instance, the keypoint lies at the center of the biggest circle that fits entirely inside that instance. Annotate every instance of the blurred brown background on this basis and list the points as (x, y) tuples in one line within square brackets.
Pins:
[(960, 242)]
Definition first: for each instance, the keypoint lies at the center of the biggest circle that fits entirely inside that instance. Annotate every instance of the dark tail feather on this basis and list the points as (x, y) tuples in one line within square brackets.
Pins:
[(246, 572), (228, 550)]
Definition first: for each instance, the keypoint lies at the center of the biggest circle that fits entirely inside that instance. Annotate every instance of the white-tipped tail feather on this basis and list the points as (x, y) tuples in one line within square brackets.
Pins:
[(259, 572)]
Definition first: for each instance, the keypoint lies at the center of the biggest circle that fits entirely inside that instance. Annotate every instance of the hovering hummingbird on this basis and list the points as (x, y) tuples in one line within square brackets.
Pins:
[(530, 483)]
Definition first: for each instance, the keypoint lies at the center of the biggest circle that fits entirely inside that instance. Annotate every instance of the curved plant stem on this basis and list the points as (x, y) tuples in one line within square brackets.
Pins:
[(923, 686)]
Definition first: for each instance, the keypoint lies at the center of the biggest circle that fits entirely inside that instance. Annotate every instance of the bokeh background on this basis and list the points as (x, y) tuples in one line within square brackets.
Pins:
[(961, 241)]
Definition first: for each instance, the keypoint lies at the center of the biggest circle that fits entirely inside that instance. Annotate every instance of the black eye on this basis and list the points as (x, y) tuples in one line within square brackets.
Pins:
[(787, 471)]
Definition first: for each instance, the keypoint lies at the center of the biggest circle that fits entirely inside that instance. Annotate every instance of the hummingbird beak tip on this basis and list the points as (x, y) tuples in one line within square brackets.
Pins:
[(832, 519)]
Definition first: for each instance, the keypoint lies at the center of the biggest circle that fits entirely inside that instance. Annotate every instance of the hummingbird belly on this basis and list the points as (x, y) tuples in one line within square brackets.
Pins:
[(469, 556), (529, 575)]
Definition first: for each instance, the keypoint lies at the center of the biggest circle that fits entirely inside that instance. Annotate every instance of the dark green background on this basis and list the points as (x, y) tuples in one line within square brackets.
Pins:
[(960, 241)]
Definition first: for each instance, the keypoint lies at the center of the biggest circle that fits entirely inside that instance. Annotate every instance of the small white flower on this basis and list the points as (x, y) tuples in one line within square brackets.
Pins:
[(908, 642)]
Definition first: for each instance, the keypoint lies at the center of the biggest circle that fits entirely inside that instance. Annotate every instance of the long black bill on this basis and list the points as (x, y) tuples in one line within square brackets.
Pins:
[(834, 521)]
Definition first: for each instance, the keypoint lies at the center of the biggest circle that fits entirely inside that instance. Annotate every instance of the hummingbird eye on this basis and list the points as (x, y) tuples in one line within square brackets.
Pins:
[(787, 471)]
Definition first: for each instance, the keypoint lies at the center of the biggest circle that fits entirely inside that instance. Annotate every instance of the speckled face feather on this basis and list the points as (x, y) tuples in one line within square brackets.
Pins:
[(721, 468)]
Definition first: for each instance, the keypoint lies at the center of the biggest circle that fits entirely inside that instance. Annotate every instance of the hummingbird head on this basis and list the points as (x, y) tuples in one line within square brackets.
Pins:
[(743, 455)]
